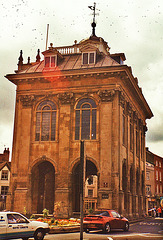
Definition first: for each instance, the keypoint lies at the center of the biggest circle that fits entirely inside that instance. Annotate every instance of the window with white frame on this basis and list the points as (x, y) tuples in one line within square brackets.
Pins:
[(4, 190), (160, 164), (148, 175), (88, 58), (157, 189), (156, 163), (160, 176), (50, 61), (4, 175), (156, 175)]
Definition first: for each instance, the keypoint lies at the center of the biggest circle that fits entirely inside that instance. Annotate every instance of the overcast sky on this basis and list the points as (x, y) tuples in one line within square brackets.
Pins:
[(132, 27)]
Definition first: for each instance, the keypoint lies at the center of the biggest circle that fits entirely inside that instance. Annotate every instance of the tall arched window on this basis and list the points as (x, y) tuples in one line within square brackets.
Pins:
[(85, 119), (46, 121)]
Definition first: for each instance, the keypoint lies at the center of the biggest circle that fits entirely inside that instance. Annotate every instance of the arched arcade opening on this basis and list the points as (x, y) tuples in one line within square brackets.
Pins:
[(90, 177), (43, 187)]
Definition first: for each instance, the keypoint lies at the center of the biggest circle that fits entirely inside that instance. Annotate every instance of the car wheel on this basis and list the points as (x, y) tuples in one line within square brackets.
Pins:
[(25, 238), (39, 234), (126, 228), (107, 228), (86, 230)]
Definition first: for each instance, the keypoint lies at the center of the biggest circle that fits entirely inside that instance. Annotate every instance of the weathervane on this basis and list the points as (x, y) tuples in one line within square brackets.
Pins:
[(93, 8)]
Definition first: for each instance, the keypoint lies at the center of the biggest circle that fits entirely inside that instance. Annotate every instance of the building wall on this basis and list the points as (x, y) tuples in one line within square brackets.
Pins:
[(4, 177), (158, 161), (108, 151), (116, 156)]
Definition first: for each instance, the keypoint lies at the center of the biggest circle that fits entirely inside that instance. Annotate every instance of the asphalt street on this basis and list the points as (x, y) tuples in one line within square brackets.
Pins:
[(150, 229)]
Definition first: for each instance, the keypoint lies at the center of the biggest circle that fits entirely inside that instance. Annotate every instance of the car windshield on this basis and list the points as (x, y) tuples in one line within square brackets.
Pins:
[(102, 213)]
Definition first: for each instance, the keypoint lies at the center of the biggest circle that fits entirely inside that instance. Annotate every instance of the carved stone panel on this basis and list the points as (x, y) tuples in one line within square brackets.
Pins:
[(122, 99), (106, 95), (66, 98), (27, 100)]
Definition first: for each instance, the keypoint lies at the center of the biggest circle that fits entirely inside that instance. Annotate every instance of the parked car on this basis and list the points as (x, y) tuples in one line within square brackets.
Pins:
[(105, 220), (14, 225)]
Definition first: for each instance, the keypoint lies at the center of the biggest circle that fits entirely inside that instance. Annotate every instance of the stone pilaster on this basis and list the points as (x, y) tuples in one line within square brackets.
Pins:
[(105, 189)]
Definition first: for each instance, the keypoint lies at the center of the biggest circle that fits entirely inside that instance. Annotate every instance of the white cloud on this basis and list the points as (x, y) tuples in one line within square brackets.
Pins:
[(132, 27)]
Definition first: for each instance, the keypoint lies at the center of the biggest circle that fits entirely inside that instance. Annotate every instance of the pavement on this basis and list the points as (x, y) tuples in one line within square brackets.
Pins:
[(73, 229)]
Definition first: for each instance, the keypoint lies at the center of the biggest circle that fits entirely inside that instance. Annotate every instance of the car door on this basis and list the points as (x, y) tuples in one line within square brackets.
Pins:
[(18, 226), (3, 226), (116, 222)]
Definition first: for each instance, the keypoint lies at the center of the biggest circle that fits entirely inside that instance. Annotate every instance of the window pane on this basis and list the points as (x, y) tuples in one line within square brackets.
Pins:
[(52, 61), (86, 106), (53, 126), (89, 100), (47, 102), (91, 58), (77, 125), (47, 61), (93, 124), (38, 119), (4, 190), (85, 128), (45, 126), (90, 192), (4, 175), (46, 108), (85, 58)]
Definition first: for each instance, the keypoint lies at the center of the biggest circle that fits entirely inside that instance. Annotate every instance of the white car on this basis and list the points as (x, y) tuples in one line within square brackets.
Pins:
[(14, 225)]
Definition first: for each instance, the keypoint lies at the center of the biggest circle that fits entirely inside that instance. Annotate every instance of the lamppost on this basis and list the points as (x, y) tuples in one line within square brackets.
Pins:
[(81, 187)]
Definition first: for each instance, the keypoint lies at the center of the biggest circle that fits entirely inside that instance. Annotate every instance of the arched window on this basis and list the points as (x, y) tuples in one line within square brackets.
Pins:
[(46, 121), (85, 119)]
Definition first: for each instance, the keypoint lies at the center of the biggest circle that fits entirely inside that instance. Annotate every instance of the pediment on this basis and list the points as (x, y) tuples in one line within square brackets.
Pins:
[(88, 48)]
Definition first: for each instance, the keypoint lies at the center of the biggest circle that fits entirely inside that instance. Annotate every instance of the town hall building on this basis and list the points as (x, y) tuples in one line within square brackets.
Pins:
[(78, 92)]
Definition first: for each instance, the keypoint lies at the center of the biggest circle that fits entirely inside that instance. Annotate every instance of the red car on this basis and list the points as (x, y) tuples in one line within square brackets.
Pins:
[(105, 220)]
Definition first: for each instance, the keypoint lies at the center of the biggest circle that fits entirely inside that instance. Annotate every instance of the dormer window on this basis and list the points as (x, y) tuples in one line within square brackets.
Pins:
[(88, 58), (50, 61)]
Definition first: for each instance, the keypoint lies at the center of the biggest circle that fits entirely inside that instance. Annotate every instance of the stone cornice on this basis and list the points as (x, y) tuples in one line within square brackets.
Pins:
[(122, 72)]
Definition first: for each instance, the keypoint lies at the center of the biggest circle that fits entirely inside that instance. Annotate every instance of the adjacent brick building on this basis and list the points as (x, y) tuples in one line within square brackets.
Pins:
[(154, 178), (78, 92), (4, 177)]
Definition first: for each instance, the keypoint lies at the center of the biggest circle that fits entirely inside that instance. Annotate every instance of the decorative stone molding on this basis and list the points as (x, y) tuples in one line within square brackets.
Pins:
[(122, 99), (66, 98), (129, 109), (43, 158), (135, 117), (140, 124), (27, 100), (145, 129), (106, 95)]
